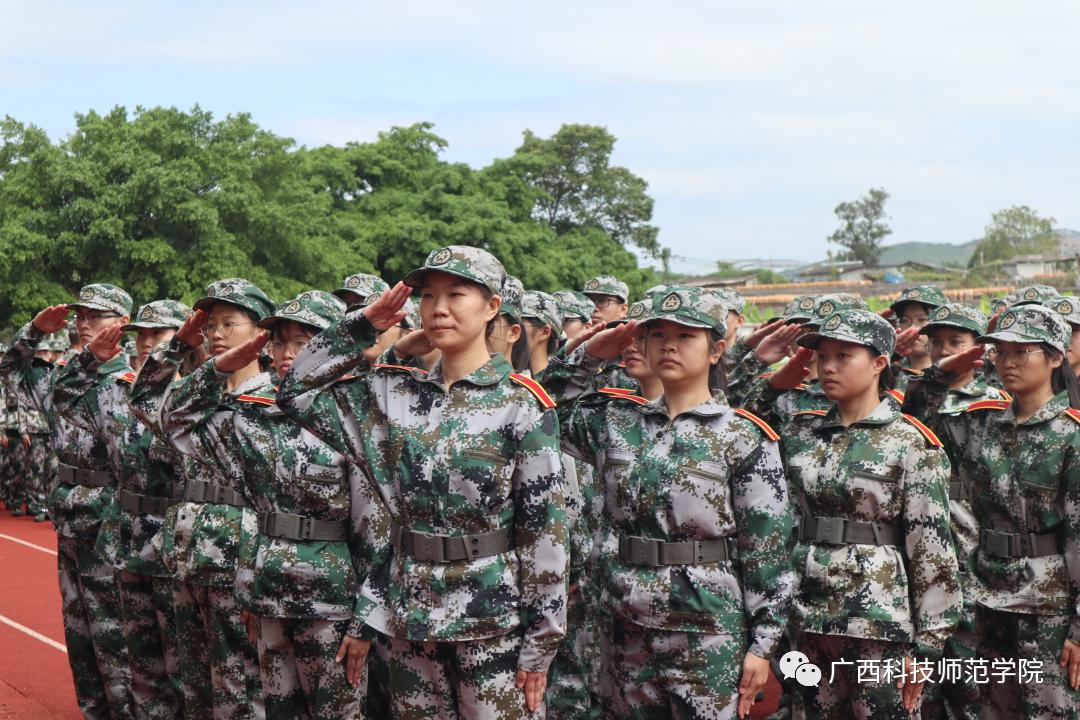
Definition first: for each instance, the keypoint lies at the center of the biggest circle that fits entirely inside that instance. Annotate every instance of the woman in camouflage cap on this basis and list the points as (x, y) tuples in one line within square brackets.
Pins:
[(1018, 462), (1069, 308), (467, 597), (507, 333), (878, 577), (693, 561)]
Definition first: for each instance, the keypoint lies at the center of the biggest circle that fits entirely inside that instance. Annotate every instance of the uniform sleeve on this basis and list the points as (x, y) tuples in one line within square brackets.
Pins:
[(763, 524), (31, 376), (763, 400), (933, 574), (369, 543), (199, 429), (1071, 480), (542, 537), (99, 408), (155, 377), (924, 399), (328, 357), (741, 377), (569, 377)]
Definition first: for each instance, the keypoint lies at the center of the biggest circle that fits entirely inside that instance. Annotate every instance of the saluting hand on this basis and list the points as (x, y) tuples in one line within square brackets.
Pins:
[(191, 332), (609, 344), (906, 339), (587, 332), (751, 341), (794, 371), (412, 344), (242, 355), (106, 344), (960, 363), (51, 319), (775, 346), (386, 312)]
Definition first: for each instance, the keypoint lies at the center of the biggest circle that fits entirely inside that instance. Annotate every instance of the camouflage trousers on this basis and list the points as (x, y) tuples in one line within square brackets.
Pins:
[(658, 674), (35, 469), (473, 680), (1006, 636), (842, 694), (300, 677), (11, 460), (573, 687), (92, 629), (149, 622), (956, 699), (219, 666)]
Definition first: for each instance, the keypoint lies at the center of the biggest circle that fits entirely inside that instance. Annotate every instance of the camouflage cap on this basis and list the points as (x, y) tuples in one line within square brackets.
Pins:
[(1067, 307), (543, 308), (928, 295), (314, 308), (999, 304), (800, 309), (1037, 294), (1031, 324), (685, 306), (102, 296), (957, 315), (861, 327), (57, 341), (512, 294), (239, 292), (361, 285), (130, 349), (607, 285), (464, 261), (160, 314), (734, 300), (574, 305), (826, 305)]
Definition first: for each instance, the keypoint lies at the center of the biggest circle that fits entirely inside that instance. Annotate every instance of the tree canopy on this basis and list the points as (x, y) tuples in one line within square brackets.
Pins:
[(862, 227), (162, 201), (1017, 230)]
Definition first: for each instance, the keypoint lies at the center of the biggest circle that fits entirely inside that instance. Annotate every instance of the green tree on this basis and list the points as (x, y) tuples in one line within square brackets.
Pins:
[(1017, 230), (862, 227)]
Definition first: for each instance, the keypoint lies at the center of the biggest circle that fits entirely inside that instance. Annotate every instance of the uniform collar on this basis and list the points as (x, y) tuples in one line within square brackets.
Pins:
[(490, 373), (1054, 406), (883, 414), (253, 383), (716, 405)]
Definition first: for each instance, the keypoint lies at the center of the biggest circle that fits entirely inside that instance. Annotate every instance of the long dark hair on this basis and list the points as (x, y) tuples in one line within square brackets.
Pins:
[(1063, 379), (718, 380), (520, 357)]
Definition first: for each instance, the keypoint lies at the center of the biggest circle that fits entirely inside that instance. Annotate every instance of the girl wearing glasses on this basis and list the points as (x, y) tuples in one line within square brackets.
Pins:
[(202, 534), (1019, 462)]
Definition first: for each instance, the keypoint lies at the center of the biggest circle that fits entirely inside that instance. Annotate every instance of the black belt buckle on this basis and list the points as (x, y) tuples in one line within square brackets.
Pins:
[(829, 530)]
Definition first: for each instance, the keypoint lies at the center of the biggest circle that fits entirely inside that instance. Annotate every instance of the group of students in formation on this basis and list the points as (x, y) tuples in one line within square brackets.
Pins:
[(491, 503)]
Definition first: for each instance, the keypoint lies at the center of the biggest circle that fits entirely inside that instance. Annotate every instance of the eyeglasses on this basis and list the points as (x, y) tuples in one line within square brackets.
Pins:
[(602, 303), (1018, 358), (227, 329), (906, 323), (91, 317), (294, 347)]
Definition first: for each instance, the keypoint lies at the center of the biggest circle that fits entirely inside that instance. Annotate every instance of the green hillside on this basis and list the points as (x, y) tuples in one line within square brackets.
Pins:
[(935, 253)]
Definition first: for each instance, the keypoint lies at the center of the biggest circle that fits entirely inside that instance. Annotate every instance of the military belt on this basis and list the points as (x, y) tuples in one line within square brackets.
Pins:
[(427, 547), (1017, 545), (143, 504), (655, 553), (298, 527), (71, 475), (201, 491), (841, 531)]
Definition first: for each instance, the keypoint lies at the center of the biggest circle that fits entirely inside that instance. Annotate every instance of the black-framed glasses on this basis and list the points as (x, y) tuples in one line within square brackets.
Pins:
[(91, 316), (227, 329), (1017, 358)]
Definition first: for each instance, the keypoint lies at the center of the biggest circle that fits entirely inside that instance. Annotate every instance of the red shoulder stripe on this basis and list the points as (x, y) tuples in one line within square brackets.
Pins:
[(765, 427), (1005, 396), (616, 391), (819, 413), (128, 377), (988, 405), (896, 395), (258, 400), (388, 366), (929, 434), (1074, 414), (535, 388)]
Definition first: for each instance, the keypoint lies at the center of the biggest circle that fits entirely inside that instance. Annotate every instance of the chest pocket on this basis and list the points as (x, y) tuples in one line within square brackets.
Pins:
[(875, 490), (699, 500), (480, 475)]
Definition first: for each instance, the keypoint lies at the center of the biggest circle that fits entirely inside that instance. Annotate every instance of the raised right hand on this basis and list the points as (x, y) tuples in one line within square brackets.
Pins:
[(609, 344), (794, 371), (191, 332), (51, 319), (386, 312), (106, 344), (960, 363)]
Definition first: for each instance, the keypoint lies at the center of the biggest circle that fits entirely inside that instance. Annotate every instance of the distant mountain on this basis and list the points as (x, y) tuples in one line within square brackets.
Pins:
[(934, 253)]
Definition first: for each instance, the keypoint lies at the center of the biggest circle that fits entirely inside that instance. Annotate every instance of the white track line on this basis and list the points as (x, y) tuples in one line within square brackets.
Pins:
[(34, 634), (28, 544)]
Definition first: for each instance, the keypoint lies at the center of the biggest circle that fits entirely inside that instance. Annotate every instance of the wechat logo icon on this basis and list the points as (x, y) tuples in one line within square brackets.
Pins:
[(796, 665)]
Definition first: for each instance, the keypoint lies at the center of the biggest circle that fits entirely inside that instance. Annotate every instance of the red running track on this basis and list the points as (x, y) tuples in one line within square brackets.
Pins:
[(35, 679)]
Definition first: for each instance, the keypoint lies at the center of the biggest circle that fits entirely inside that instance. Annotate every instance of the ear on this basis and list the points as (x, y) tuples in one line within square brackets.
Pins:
[(514, 333), (622, 310), (493, 304), (879, 363), (717, 351), (1055, 360)]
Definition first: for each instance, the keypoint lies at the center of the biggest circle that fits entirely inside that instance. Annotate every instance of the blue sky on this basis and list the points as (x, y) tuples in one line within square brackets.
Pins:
[(750, 121)]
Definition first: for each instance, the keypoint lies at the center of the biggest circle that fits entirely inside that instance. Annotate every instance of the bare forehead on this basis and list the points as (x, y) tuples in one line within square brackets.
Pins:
[(226, 311)]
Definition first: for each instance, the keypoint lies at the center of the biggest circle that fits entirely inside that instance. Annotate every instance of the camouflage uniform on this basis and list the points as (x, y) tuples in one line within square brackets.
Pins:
[(35, 459), (201, 536), (149, 481), (693, 561), (11, 490), (1024, 483), (469, 462), (299, 573), (878, 573), (83, 506)]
